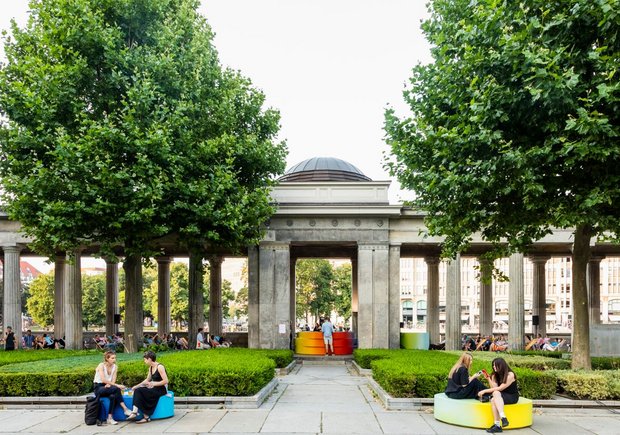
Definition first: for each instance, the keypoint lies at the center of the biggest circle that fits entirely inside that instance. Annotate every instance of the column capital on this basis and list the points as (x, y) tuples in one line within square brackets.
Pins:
[(373, 246), (596, 258), (432, 259), (163, 260), (539, 258), (274, 246), (215, 259), (13, 249)]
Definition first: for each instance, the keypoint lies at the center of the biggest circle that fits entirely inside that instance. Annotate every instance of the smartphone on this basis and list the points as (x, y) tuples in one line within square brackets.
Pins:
[(485, 373)]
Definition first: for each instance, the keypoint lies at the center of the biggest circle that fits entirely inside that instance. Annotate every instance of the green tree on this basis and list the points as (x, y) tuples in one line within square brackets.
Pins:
[(341, 288), (240, 307), (514, 129), (119, 126), (178, 295), (313, 281), (40, 302), (93, 300), (228, 296)]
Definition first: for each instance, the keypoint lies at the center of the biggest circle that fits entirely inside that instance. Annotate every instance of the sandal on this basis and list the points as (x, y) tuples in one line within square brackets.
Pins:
[(132, 416), (144, 420)]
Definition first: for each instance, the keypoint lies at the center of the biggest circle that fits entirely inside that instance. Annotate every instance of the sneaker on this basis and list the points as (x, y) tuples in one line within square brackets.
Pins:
[(494, 429), (112, 421), (504, 422)]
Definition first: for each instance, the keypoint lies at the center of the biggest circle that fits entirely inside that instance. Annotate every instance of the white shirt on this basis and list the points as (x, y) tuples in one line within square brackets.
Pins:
[(106, 375)]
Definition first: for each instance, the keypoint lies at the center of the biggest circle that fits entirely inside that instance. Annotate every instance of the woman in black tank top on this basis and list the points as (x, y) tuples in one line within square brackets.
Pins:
[(147, 393), (504, 391)]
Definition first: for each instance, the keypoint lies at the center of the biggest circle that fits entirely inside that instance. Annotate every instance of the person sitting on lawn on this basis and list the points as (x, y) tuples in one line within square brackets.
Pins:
[(48, 342)]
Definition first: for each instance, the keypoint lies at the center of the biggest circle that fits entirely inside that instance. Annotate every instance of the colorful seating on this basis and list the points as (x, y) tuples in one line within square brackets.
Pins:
[(311, 343), (473, 413), (164, 408)]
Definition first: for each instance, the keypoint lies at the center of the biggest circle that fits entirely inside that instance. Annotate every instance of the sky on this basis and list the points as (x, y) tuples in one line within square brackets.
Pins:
[(331, 67)]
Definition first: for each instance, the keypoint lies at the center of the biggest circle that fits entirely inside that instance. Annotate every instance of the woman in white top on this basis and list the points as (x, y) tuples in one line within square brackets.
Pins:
[(105, 384)]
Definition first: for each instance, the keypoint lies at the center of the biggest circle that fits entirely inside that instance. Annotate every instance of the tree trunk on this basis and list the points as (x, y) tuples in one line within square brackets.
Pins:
[(133, 302), (581, 322), (196, 299)]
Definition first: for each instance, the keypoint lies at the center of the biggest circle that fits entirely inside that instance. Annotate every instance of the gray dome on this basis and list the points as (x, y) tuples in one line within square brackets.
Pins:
[(324, 169)]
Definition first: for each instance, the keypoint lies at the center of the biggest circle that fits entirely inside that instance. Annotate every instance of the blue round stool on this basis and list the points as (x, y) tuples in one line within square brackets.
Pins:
[(164, 408)]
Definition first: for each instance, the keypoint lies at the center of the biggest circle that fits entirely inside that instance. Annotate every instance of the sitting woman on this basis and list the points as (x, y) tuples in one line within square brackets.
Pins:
[(504, 391), (105, 384), (147, 393), (460, 384)]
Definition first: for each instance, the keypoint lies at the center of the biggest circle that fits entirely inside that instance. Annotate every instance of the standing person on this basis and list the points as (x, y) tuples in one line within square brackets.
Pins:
[(147, 393), (9, 342), (328, 330), (29, 340), (504, 391), (105, 385), (460, 384)]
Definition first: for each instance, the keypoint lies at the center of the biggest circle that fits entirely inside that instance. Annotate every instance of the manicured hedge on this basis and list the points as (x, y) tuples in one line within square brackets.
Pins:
[(221, 372), (419, 373)]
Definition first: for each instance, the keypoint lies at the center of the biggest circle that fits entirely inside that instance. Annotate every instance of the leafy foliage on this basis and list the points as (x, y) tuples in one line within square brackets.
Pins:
[(120, 126), (40, 302), (514, 129), (93, 300)]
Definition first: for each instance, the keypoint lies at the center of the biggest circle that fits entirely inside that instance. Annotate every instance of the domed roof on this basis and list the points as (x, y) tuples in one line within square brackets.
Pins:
[(324, 169)]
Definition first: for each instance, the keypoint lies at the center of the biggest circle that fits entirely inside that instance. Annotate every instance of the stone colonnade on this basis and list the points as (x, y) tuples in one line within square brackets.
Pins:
[(68, 296), (271, 298)]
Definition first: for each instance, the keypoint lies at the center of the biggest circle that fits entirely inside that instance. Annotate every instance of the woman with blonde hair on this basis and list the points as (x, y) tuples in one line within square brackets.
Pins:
[(460, 384), (105, 384)]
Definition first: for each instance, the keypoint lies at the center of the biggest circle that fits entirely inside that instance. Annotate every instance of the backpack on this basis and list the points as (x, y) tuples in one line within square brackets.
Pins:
[(91, 413)]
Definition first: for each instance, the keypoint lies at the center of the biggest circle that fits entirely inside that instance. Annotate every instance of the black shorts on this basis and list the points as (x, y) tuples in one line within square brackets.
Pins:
[(509, 399)]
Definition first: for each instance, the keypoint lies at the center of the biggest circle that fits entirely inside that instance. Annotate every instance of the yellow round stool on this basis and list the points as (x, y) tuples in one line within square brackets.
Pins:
[(473, 413)]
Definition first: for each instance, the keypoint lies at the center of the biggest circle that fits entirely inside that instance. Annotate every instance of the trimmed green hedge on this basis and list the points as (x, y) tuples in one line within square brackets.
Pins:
[(405, 377), (221, 372)]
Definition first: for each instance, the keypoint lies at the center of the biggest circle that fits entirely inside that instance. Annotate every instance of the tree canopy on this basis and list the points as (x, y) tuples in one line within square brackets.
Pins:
[(514, 129), (119, 126)]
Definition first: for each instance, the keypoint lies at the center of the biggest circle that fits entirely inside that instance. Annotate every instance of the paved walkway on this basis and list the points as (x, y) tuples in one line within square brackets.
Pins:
[(312, 399)]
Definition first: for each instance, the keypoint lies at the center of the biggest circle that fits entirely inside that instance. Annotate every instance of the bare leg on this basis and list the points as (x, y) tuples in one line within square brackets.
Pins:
[(497, 405)]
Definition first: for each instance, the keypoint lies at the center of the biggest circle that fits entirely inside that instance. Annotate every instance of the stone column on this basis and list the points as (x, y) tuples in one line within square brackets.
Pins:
[(453, 304), (274, 299), (432, 299), (12, 309), (293, 303), (59, 296), (394, 297), (354, 297), (111, 296), (253, 300), (164, 322), (516, 303), (486, 297), (539, 293), (215, 295), (73, 302), (196, 298), (134, 315), (594, 289), (373, 283)]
